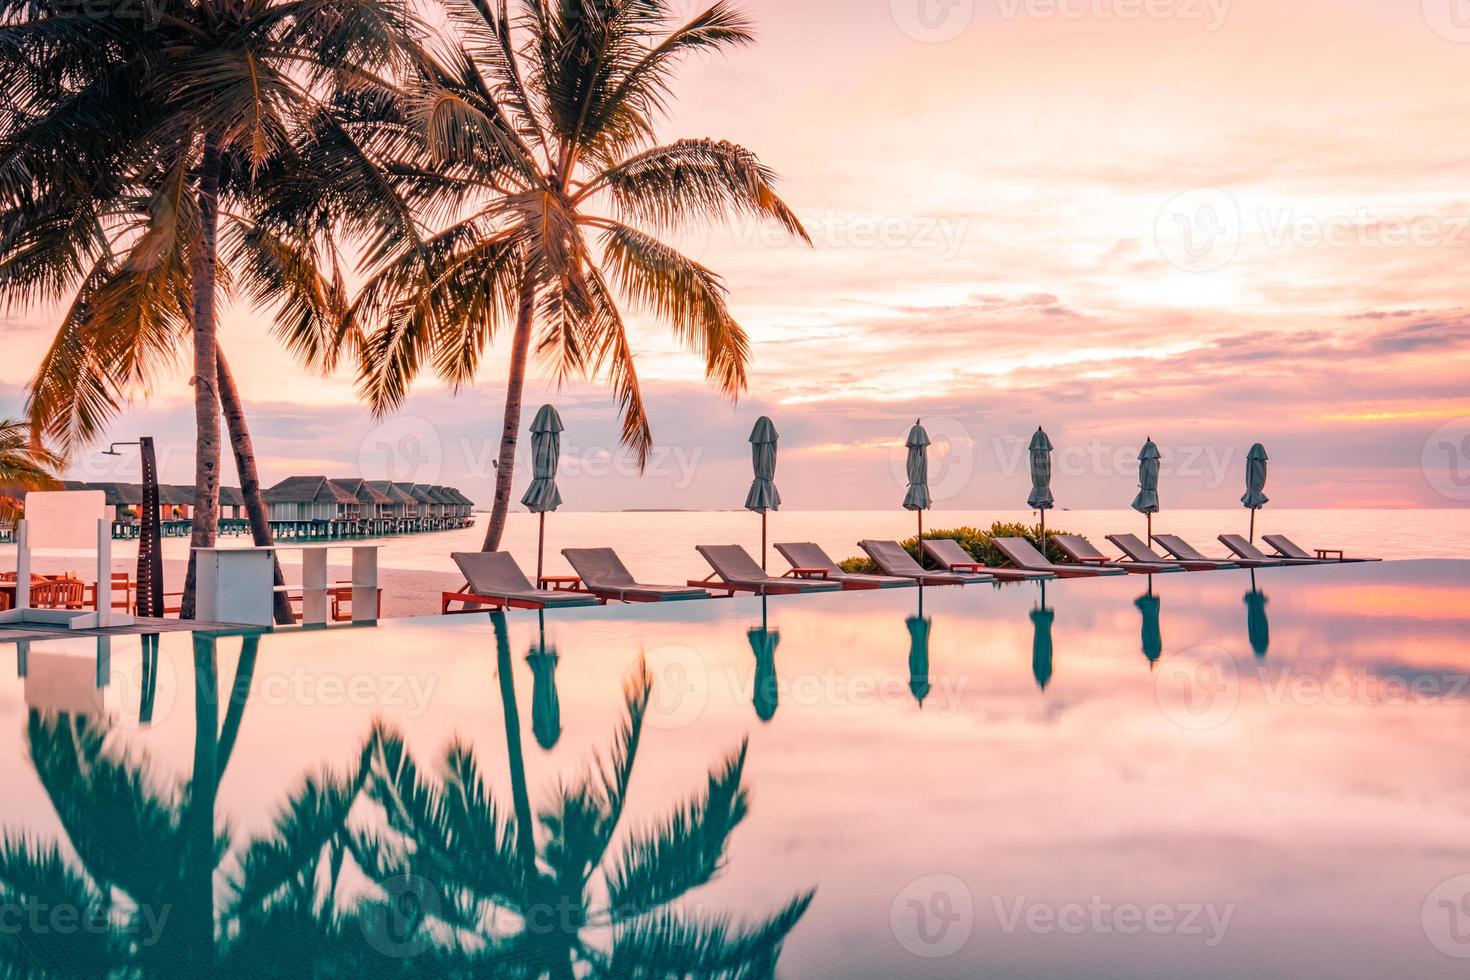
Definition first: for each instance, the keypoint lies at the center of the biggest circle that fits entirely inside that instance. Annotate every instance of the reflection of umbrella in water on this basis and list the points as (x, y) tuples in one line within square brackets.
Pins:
[(1153, 640), (919, 627), (545, 704), (1041, 619), (1255, 619), (763, 643)]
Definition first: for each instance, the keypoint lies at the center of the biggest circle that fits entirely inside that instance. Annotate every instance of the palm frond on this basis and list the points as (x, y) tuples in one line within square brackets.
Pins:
[(670, 943), (686, 850), (684, 294)]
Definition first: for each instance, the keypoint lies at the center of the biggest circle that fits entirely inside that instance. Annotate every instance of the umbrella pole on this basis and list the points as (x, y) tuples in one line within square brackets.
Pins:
[(1150, 537), (763, 541), (540, 547), (1043, 536), (1253, 526)]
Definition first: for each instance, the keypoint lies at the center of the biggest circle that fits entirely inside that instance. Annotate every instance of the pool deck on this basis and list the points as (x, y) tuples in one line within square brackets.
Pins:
[(141, 625)]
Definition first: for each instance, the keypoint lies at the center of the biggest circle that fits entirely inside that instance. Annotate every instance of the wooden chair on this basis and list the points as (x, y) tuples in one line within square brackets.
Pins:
[(59, 593)]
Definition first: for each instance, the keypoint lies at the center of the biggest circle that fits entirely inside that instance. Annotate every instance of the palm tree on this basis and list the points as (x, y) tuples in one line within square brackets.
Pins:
[(532, 137), (528, 896), (24, 465), (132, 143)]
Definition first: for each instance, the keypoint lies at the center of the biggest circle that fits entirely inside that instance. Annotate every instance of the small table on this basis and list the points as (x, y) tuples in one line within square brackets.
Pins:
[(561, 583), (1325, 553), (808, 572)]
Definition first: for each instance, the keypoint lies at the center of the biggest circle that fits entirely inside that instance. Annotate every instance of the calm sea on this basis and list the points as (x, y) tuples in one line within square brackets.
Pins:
[(659, 546)]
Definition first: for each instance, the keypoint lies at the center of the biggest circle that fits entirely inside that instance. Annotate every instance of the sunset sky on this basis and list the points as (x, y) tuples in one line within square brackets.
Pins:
[(1204, 221)]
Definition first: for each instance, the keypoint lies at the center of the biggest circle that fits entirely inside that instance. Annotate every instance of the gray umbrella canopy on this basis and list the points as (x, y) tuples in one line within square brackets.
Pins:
[(1041, 498), (542, 495), (1255, 478), (763, 495), (1147, 501), (917, 497)]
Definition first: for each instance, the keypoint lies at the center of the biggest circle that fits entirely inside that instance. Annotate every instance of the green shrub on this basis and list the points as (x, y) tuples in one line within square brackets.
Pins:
[(980, 544)]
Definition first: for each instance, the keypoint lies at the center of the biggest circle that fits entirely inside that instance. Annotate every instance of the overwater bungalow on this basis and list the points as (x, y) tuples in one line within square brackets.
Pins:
[(312, 507), (405, 508), (378, 508)]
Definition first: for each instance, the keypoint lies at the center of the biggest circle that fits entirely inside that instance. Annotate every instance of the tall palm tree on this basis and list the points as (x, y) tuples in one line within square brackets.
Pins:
[(531, 138), (24, 465), (131, 144)]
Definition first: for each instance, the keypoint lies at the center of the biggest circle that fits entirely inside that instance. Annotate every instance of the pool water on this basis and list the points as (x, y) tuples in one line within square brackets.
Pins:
[(1205, 774)]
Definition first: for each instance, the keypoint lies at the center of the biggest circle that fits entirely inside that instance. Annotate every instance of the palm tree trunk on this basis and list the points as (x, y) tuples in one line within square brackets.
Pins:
[(206, 370), (514, 387), (244, 450)]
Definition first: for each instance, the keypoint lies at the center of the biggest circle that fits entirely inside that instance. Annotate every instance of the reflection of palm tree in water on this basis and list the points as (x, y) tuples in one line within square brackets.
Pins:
[(149, 861), (147, 855), (539, 896)]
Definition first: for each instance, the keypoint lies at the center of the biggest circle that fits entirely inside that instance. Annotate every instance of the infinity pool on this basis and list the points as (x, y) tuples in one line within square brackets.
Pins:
[(1207, 774)]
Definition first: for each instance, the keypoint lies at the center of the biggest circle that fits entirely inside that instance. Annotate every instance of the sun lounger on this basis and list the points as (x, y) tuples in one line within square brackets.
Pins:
[(1082, 551), (1023, 554), (735, 571), (1139, 553), (496, 580), (1184, 551), (1241, 547), (1287, 548), (807, 558), (895, 560), (950, 555), (605, 576)]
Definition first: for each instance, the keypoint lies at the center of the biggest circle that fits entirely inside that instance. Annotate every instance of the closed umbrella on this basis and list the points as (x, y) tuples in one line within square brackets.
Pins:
[(1147, 501), (917, 498), (1041, 498), (1152, 636), (763, 495), (1257, 626), (766, 695), (545, 704), (918, 627), (1255, 483), (542, 495), (1041, 649)]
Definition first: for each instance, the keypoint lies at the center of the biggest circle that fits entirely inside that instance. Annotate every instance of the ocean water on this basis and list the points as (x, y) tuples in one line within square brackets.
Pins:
[(659, 546)]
